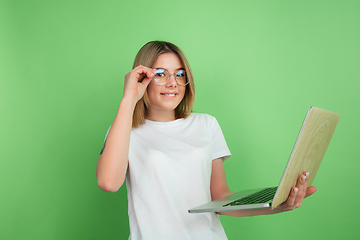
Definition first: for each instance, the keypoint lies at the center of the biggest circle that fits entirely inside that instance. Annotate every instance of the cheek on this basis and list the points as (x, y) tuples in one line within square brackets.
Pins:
[(151, 90), (182, 92), (150, 87)]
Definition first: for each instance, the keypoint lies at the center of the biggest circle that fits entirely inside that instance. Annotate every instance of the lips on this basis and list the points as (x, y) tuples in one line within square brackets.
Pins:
[(169, 94)]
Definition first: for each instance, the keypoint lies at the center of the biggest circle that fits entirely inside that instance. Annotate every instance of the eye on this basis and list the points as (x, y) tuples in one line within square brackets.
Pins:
[(180, 73), (160, 73)]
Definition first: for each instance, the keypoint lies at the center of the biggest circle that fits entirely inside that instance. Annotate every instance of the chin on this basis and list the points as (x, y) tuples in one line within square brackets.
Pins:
[(165, 107)]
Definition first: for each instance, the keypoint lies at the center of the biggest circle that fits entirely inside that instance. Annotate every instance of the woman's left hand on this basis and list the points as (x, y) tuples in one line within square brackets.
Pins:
[(297, 194)]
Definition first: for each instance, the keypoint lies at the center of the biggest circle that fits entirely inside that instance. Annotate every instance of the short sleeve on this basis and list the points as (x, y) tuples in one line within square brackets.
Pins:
[(218, 143)]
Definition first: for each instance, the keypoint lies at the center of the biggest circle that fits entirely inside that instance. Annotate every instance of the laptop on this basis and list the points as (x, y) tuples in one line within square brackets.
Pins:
[(307, 154)]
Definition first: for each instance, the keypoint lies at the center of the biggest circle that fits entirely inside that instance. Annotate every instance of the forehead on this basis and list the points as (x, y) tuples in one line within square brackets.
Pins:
[(169, 61)]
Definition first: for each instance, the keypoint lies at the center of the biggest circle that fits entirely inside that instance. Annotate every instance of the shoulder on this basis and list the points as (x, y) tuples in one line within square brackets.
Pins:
[(203, 119)]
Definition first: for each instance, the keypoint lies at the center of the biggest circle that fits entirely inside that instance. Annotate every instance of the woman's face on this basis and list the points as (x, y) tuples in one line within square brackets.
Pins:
[(165, 98)]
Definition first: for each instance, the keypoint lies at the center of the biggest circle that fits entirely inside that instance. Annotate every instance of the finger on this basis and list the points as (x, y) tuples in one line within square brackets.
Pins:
[(145, 73), (146, 81), (302, 185), (150, 73), (137, 67), (143, 69), (147, 77), (292, 196), (140, 67), (305, 183), (310, 190), (137, 72)]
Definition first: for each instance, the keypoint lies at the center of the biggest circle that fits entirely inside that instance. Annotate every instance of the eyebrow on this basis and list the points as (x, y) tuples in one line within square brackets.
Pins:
[(168, 69)]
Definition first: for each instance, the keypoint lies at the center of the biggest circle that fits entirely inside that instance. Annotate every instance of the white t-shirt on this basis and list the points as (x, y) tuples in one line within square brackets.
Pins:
[(169, 173)]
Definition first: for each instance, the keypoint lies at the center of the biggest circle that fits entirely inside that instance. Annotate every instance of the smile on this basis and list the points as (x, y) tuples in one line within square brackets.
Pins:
[(169, 94)]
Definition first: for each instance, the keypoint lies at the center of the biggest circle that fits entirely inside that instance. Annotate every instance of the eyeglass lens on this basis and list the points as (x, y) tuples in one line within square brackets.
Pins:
[(162, 76)]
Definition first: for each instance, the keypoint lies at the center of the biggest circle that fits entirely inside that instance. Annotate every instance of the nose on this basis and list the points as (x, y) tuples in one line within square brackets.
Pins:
[(172, 81)]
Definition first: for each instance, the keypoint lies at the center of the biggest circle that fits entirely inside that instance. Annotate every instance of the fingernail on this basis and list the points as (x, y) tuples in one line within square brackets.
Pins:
[(303, 178), (307, 174), (296, 190)]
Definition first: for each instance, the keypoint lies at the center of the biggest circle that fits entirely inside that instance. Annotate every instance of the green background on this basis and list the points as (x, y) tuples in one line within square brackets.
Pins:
[(258, 67)]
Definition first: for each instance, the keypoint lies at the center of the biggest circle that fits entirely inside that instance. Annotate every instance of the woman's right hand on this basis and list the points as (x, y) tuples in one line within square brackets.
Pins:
[(113, 162), (136, 82)]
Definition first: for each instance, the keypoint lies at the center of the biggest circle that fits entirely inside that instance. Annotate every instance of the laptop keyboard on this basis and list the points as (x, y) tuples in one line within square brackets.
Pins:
[(261, 196)]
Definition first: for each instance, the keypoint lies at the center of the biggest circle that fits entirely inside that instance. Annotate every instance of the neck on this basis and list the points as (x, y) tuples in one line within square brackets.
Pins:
[(160, 116)]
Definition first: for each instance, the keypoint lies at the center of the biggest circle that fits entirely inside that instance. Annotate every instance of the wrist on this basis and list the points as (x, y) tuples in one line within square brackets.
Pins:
[(128, 101)]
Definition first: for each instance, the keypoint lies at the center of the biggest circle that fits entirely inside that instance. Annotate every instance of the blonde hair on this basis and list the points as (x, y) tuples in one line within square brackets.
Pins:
[(147, 56)]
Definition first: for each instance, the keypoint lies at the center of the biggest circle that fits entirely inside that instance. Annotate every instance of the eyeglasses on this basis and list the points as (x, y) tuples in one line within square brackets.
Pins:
[(162, 77)]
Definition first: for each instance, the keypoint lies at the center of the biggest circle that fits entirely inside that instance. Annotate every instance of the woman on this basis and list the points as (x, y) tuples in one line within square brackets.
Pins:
[(171, 158)]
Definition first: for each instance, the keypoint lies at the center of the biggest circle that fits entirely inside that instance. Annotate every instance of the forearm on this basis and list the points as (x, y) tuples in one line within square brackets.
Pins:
[(113, 161)]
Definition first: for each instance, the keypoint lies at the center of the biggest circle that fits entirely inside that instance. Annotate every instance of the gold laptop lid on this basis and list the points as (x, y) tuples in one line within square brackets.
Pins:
[(309, 150)]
